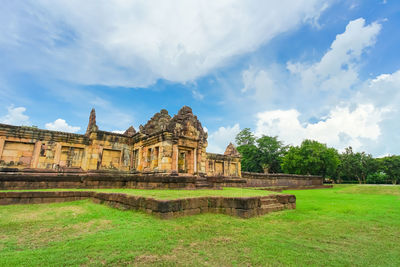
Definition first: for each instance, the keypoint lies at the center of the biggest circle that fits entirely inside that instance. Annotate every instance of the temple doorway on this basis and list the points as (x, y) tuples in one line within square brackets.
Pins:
[(186, 160), (182, 163)]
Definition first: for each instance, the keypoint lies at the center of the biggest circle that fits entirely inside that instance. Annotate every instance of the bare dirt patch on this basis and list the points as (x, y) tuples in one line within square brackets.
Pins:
[(47, 213), (45, 235)]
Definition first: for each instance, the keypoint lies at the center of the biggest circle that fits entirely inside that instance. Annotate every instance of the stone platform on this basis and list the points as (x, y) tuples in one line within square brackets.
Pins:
[(14, 179), (166, 209)]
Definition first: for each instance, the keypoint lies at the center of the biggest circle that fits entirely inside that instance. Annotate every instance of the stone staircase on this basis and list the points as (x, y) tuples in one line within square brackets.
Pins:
[(202, 183), (270, 204)]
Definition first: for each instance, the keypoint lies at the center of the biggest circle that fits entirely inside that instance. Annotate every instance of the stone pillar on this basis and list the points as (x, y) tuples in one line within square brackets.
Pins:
[(195, 169), (57, 154), (175, 158), (226, 168), (86, 158), (201, 160), (121, 160), (160, 157), (132, 158), (2, 142), (139, 167), (36, 154), (144, 157), (99, 157)]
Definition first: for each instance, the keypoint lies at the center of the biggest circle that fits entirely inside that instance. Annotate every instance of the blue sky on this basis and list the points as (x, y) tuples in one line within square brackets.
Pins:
[(325, 70)]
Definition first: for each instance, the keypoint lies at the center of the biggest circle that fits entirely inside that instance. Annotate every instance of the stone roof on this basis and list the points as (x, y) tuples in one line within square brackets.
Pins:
[(130, 131), (187, 124), (231, 151), (92, 126), (157, 123)]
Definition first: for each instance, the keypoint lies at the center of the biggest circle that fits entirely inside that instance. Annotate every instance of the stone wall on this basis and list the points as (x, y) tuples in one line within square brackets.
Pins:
[(76, 178), (223, 165), (281, 180), (44, 179), (164, 144), (29, 147), (165, 209)]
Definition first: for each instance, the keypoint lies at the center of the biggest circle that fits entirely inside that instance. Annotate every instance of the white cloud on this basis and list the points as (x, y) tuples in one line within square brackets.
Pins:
[(341, 128), (329, 80), (220, 139), (384, 90), (15, 116), (62, 126), (338, 68), (133, 43), (257, 80), (118, 131)]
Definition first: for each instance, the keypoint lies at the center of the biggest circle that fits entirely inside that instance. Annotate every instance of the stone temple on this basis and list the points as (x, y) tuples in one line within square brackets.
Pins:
[(165, 144)]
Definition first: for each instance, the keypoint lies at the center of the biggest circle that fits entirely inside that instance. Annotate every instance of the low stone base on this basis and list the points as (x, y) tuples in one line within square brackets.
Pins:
[(40, 179), (241, 207), (281, 188)]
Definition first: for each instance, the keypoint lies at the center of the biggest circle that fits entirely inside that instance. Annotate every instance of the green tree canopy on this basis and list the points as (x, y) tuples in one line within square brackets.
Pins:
[(356, 166), (245, 137), (311, 157), (271, 151), (391, 166), (259, 154)]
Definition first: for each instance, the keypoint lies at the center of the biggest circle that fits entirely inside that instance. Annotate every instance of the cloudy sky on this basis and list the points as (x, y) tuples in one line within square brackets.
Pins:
[(325, 70)]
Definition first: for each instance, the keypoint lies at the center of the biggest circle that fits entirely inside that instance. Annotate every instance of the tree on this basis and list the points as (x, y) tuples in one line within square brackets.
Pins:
[(248, 150), (391, 166), (311, 157), (259, 154), (245, 137), (250, 158), (271, 151), (356, 166), (377, 178)]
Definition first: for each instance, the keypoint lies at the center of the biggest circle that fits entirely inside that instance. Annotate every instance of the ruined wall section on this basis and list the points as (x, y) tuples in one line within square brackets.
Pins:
[(152, 145), (108, 151), (223, 165), (29, 147), (152, 153), (164, 144), (189, 143)]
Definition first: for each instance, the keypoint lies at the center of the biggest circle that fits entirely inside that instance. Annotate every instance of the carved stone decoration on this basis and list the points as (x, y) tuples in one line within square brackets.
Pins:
[(92, 126), (187, 124), (231, 151), (126, 157), (167, 152), (157, 123), (130, 131)]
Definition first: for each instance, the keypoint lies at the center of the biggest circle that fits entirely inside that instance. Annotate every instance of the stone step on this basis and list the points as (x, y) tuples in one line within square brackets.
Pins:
[(272, 207), (269, 197), (203, 185), (269, 201)]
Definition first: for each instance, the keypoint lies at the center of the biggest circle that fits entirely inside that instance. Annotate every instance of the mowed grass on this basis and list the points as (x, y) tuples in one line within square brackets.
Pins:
[(172, 194), (342, 226)]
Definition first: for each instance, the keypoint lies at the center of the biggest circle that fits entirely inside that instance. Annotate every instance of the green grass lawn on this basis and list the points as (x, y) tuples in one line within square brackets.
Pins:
[(171, 194), (344, 226)]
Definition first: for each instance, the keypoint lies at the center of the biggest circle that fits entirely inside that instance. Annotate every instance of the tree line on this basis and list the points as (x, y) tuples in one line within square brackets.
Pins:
[(269, 154)]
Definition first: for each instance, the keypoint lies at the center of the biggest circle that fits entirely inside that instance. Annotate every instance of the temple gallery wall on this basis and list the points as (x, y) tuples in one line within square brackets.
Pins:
[(164, 144), (167, 152)]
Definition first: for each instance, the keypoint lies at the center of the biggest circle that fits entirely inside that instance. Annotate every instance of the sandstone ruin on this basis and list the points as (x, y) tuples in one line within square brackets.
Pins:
[(164, 144)]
